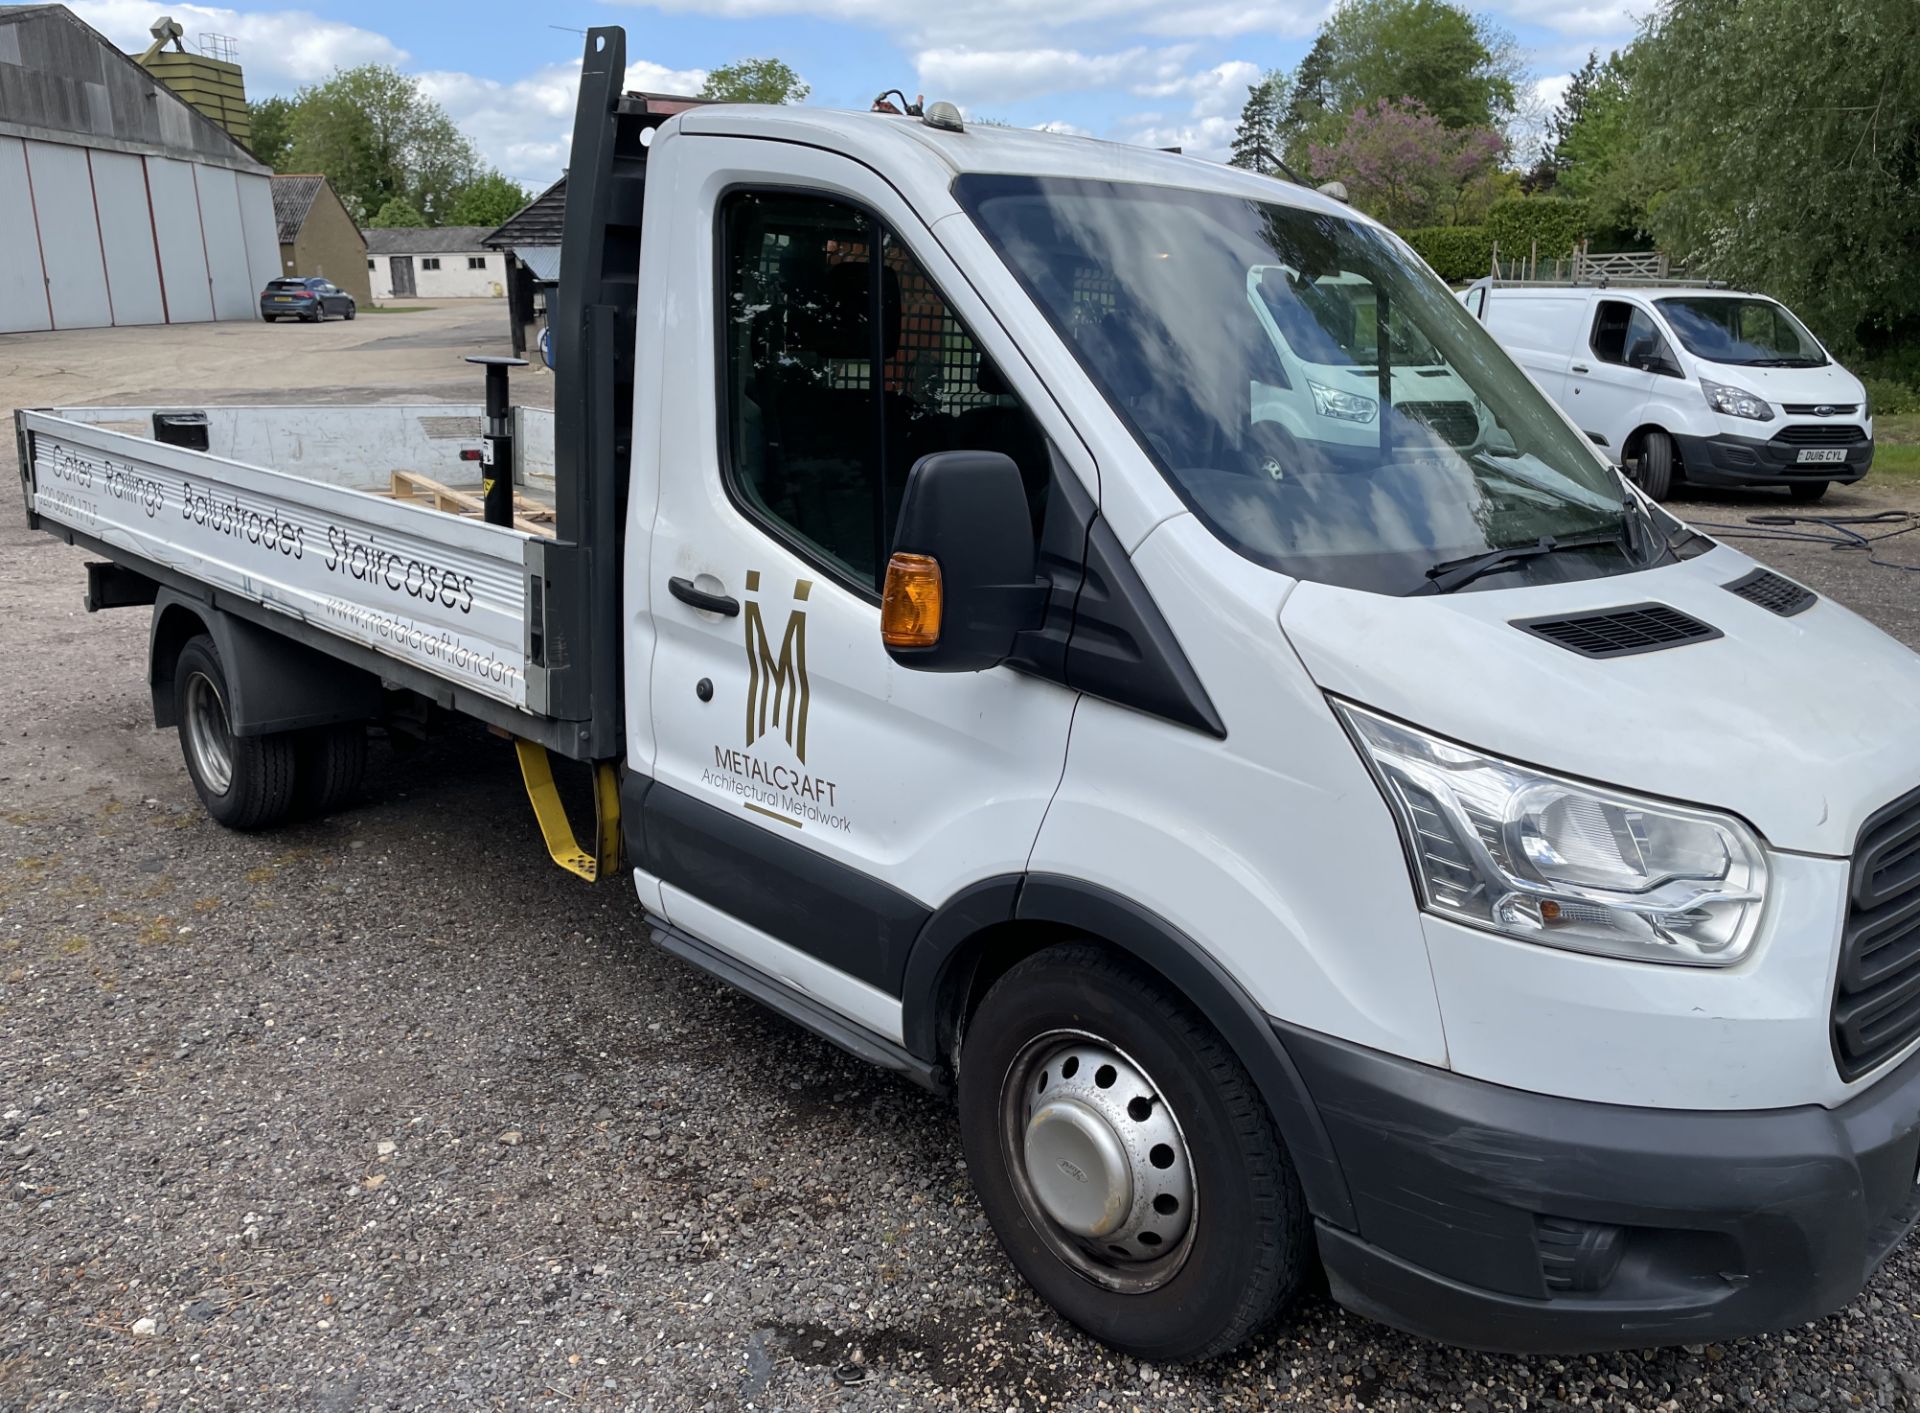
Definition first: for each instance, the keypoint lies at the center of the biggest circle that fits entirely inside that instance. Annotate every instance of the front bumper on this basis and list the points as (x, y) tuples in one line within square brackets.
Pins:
[(1501, 1219), (1729, 460)]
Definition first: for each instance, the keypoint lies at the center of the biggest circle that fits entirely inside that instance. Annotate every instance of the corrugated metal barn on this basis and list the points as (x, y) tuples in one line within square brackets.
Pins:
[(119, 204)]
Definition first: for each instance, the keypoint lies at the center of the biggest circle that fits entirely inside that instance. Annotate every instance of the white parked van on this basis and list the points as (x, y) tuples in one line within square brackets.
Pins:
[(1364, 843), (1717, 386)]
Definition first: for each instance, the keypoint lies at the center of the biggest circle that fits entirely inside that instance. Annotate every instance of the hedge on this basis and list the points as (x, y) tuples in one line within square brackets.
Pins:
[(1516, 222), (1457, 253)]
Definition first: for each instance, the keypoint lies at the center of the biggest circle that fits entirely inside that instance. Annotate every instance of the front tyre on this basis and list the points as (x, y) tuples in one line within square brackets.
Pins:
[(1128, 1164), (1654, 471), (246, 782)]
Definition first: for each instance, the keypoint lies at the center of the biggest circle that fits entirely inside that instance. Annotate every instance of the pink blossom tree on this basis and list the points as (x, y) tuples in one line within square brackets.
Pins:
[(1403, 165)]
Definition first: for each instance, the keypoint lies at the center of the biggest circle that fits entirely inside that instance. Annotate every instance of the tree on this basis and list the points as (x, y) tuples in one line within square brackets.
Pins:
[(1403, 165), (1573, 104), (1787, 153), (1598, 152), (1256, 142), (377, 137), (1464, 71), (272, 125), (1460, 69), (487, 200), (755, 81), (398, 212)]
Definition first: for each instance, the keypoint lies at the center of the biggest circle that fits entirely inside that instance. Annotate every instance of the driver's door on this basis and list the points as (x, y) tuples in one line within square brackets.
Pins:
[(811, 800)]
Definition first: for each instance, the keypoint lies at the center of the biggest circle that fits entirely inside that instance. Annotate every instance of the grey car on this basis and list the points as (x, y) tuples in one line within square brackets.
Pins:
[(311, 297)]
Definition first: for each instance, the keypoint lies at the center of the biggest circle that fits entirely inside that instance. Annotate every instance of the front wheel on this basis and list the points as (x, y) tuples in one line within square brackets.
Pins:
[(1128, 1164), (1654, 471), (352, 309), (246, 782)]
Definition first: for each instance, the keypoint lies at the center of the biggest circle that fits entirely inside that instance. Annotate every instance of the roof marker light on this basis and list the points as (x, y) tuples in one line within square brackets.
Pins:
[(945, 116)]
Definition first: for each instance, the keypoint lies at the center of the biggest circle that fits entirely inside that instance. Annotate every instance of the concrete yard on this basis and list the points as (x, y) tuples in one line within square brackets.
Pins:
[(387, 1112)]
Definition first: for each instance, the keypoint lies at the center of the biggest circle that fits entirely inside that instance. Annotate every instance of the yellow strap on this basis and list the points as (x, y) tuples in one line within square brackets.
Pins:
[(537, 770)]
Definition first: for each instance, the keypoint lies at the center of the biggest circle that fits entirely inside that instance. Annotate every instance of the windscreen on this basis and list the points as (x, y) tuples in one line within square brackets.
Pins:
[(1742, 329), (1313, 393)]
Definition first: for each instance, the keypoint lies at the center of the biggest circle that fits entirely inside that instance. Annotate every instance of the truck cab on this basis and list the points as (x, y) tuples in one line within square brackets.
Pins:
[(1315, 751)]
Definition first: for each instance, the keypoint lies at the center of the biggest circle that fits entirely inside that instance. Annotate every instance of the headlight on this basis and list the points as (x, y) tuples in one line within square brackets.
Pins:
[(1564, 864), (1736, 402), (1338, 402)]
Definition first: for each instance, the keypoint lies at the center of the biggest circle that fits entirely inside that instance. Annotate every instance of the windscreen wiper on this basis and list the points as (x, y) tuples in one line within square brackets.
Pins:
[(1452, 574)]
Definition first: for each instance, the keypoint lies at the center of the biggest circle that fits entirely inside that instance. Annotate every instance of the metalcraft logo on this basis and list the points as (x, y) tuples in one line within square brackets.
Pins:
[(777, 680)]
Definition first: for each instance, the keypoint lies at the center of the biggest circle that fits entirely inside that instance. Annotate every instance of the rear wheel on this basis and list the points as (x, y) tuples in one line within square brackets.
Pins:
[(1653, 472), (1127, 1162), (1807, 490), (332, 762), (246, 782)]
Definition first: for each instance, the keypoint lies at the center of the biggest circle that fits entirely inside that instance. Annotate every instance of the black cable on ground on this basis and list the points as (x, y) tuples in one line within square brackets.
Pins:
[(1836, 531)]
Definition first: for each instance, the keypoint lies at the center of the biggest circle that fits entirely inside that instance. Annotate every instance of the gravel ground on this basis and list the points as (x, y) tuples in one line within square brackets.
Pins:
[(386, 1112)]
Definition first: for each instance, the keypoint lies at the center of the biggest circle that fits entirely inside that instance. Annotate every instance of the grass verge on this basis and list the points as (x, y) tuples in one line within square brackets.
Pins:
[(1896, 450)]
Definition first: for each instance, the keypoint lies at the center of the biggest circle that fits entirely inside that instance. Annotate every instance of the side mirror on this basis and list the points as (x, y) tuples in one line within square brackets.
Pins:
[(960, 585)]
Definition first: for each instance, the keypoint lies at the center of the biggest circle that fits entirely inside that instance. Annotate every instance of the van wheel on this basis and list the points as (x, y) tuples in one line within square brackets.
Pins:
[(1128, 1164), (1807, 490), (1654, 471), (246, 782), (332, 762)]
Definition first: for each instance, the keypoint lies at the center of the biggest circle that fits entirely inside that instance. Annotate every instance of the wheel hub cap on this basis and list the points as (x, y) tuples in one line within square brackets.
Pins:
[(1102, 1157), (208, 734)]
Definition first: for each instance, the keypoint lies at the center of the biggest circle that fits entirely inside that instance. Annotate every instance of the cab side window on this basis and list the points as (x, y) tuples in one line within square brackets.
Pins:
[(1625, 334), (843, 366)]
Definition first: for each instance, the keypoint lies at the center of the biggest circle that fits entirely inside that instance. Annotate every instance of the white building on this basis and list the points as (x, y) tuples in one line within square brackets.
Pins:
[(434, 262), (119, 203)]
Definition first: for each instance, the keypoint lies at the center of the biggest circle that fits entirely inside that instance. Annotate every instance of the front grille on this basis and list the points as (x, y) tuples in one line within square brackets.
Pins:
[(1876, 999), (1819, 409), (1455, 422), (1814, 434), (1773, 593), (1618, 632)]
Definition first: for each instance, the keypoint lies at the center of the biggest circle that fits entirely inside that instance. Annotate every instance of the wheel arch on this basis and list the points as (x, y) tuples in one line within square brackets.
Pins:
[(989, 926), (273, 683)]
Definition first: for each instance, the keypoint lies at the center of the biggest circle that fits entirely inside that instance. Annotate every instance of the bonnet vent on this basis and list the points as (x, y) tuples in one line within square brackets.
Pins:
[(1773, 593), (1620, 632)]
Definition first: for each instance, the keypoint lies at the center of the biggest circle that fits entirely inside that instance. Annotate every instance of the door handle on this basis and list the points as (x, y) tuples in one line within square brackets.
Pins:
[(1579, 368), (723, 604)]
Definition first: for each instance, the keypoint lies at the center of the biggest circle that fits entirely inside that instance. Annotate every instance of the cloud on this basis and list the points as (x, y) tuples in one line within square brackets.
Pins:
[(524, 126), (970, 76), (279, 49), (958, 22), (1590, 18)]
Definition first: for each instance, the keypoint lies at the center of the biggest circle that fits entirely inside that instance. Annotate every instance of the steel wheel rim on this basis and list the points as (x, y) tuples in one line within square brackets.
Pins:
[(208, 735), (1053, 1123)]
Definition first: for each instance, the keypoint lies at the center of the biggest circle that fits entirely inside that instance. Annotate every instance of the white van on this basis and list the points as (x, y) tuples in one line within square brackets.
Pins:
[(1421, 862), (1716, 386)]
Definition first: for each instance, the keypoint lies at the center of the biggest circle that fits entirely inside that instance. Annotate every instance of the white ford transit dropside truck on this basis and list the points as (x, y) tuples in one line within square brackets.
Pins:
[(1351, 845)]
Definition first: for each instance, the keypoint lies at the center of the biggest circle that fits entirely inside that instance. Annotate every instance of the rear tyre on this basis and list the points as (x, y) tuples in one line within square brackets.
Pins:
[(1129, 1166), (1807, 490), (246, 782), (1654, 471), (332, 760)]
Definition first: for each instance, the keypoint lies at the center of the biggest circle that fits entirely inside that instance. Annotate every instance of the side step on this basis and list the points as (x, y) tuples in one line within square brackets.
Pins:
[(801, 1009), (537, 771)]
